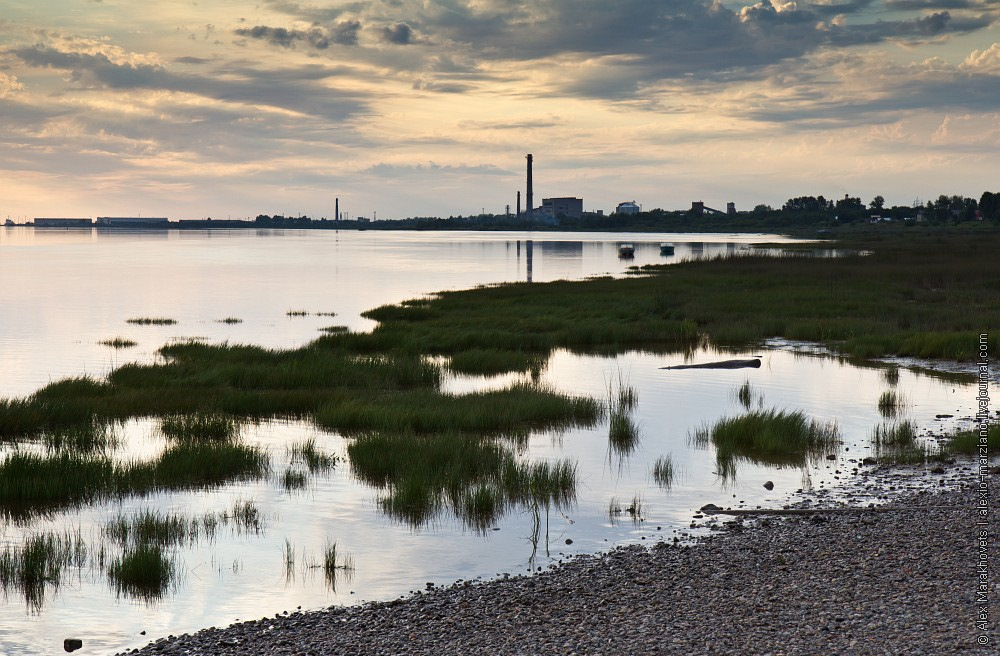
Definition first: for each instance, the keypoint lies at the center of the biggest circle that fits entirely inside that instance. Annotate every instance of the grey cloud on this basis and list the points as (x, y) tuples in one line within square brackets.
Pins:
[(934, 4), (320, 38), (431, 168), (400, 34)]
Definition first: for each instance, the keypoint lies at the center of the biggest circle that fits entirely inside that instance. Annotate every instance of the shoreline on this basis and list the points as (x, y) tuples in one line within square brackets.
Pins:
[(859, 583)]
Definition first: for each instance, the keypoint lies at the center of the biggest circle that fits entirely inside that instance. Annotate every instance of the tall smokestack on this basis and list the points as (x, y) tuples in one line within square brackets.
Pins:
[(530, 195), (518, 204), (336, 211)]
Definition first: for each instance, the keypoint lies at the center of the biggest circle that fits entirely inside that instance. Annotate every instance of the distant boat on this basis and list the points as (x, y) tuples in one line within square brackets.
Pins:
[(626, 250), (666, 248)]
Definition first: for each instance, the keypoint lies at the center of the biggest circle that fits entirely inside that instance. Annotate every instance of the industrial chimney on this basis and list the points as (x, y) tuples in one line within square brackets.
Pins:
[(518, 215), (530, 197), (336, 211)]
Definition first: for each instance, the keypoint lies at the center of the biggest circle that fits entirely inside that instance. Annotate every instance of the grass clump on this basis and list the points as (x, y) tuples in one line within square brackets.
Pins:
[(663, 472), (36, 566), (894, 434), (230, 320), (623, 432), (118, 343), (890, 403), (151, 321), (477, 478), (143, 572), (774, 437), (88, 437), (308, 454), (492, 362), (746, 395), (971, 441), (297, 313), (30, 481), (334, 330), (200, 426), (293, 480)]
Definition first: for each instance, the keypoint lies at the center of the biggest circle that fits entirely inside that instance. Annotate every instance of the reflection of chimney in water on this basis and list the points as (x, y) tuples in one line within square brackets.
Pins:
[(530, 195), (529, 251)]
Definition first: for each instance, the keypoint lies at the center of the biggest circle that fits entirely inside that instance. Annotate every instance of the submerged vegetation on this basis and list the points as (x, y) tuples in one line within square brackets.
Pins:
[(37, 564), (663, 472), (144, 572), (119, 343), (774, 437), (890, 403), (151, 321)]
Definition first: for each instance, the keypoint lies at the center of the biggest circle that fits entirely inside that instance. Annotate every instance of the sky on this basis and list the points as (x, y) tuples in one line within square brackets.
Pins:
[(224, 108)]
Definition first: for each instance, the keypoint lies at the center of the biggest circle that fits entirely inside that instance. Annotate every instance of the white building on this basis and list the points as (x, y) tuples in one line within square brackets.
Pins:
[(628, 207)]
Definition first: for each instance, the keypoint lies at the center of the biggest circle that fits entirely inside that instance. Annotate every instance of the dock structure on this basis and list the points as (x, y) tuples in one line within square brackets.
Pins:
[(147, 222)]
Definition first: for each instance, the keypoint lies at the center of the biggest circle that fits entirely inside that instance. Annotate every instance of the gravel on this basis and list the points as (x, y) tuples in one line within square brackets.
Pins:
[(834, 583)]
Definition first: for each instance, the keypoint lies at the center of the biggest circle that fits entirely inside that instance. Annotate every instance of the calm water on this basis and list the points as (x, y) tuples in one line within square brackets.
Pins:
[(63, 292)]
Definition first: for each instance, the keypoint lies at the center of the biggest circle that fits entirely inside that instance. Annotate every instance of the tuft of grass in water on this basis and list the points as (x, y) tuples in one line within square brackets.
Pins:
[(151, 321), (314, 459), (614, 509), (493, 362), (971, 441), (746, 395), (118, 343), (200, 426), (297, 313), (891, 375), (623, 433), (36, 566), (151, 527), (332, 561), (334, 330), (293, 480), (31, 482), (890, 402), (142, 572), (475, 477), (663, 472), (230, 320), (88, 437), (774, 437), (894, 434), (635, 509), (505, 411), (325, 314)]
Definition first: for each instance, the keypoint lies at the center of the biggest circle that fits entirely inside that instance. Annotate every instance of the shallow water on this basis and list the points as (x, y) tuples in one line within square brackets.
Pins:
[(63, 292)]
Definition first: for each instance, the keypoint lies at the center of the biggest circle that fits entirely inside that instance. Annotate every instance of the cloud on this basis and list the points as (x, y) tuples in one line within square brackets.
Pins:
[(8, 83), (320, 38), (399, 34)]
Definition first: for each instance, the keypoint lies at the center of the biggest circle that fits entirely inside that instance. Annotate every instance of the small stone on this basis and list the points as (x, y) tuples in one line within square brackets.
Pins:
[(569, 541), (72, 644), (769, 485), (831, 456)]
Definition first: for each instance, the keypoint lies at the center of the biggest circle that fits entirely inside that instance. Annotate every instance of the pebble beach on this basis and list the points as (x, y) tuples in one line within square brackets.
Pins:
[(865, 581)]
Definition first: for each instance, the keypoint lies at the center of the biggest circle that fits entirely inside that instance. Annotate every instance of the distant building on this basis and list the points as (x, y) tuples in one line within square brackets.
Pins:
[(569, 207), (63, 223), (628, 207), (731, 209), (133, 222), (698, 208)]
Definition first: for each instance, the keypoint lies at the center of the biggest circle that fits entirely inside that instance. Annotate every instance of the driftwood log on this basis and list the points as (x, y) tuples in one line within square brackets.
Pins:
[(724, 364)]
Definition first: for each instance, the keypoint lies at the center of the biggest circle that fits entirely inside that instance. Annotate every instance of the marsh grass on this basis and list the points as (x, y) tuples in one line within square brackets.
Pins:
[(151, 527), (663, 472), (230, 320), (969, 442), (297, 313), (334, 561), (325, 314), (747, 396), (36, 566), (773, 437), (201, 426), (309, 455), (88, 437), (492, 362), (894, 433), (635, 509), (334, 330), (151, 321), (144, 572), (614, 509), (293, 480), (118, 343), (31, 482), (623, 432), (890, 402), (891, 375), (478, 479)]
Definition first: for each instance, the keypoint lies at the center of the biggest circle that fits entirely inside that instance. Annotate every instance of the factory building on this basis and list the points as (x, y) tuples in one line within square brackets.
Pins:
[(41, 222), (571, 208), (628, 207), (133, 222)]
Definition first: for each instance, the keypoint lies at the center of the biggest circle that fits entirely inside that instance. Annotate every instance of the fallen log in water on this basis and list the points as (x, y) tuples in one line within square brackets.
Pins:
[(724, 364)]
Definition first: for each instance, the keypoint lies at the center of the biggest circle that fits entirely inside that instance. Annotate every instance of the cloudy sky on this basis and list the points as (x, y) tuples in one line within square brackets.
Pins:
[(427, 107)]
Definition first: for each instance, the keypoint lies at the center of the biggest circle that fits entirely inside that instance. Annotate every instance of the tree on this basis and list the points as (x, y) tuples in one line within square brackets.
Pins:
[(989, 205), (877, 203)]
